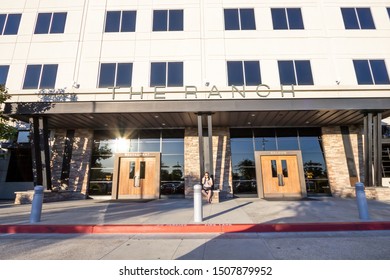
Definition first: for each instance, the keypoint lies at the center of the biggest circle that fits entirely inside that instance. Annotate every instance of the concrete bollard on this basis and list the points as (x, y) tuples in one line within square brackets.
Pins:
[(198, 209), (361, 201), (36, 207)]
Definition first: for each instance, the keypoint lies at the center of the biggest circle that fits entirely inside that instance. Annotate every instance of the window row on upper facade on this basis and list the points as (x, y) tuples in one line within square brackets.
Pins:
[(173, 20), (171, 74)]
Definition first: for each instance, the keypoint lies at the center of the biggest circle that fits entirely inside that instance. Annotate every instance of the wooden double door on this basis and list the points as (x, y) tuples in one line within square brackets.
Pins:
[(136, 176), (280, 174)]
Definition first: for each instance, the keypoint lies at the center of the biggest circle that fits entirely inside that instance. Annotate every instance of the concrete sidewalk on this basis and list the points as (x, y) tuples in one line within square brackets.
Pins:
[(177, 215)]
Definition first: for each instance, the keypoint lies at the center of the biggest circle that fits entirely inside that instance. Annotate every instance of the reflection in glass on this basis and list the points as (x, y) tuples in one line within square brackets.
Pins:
[(132, 170), (287, 143), (274, 169), (105, 146), (101, 174), (142, 169), (284, 168), (242, 145), (173, 147), (149, 146), (265, 144), (100, 188), (308, 140)]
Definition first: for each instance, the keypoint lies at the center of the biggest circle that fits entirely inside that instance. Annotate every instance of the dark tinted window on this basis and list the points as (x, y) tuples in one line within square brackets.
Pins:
[(295, 18), (235, 73), (350, 18), (40, 76), (175, 74), (362, 70), (123, 21), (357, 18), (243, 73), (286, 73), (58, 23), (115, 75), (161, 77), (252, 73), (160, 20), (107, 75), (290, 18), (49, 75), (247, 17), (31, 79), (124, 74), (112, 21), (3, 17), (388, 12), (43, 23), (128, 21), (158, 74), (304, 74), (379, 72), (279, 18), (239, 19), (365, 18), (168, 20), (10, 24), (175, 20), (55, 22), (295, 72), (370, 72), (3, 74), (231, 19)]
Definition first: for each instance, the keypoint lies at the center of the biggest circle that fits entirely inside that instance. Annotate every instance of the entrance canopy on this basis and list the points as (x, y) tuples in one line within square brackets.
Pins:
[(182, 113)]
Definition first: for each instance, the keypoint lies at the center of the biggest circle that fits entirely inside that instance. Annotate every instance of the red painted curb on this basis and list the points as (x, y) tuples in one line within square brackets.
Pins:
[(194, 228)]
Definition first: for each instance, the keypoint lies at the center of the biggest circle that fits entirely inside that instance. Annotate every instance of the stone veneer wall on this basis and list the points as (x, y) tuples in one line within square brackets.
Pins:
[(336, 161), (56, 157), (80, 161), (221, 159), (337, 164)]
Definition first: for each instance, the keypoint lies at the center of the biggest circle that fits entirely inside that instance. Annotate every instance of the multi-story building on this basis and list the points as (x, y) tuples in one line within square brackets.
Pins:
[(137, 99)]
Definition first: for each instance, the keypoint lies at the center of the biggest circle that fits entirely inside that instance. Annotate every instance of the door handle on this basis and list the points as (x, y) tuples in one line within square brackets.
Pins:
[(280, 180)]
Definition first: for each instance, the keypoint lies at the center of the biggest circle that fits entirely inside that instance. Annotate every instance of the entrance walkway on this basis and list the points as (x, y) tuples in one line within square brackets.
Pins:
[(176, 215)]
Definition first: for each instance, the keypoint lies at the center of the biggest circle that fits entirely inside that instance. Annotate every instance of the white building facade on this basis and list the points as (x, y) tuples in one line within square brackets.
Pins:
[(137, 99)]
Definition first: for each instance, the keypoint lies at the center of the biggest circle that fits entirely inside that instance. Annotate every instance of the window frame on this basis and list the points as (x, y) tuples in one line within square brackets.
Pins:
[(168, 16), (55, 25), (121, 27), (241, 19), (243, 69), (287, 23), (299, 77), (372, 78), (44, 72), (166, 69), (4, 70), (358, 18), (5, 28), (115, 77)]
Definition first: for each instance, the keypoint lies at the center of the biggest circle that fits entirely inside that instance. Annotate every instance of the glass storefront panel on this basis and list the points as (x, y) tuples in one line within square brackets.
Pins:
[(242, 145), (169, 142), (308, 140), (101, 174), (172, 147)]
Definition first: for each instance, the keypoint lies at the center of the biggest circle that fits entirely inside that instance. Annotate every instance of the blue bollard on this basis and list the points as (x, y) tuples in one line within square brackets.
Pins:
[(198, 209), (36, 207), (361, 201)]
